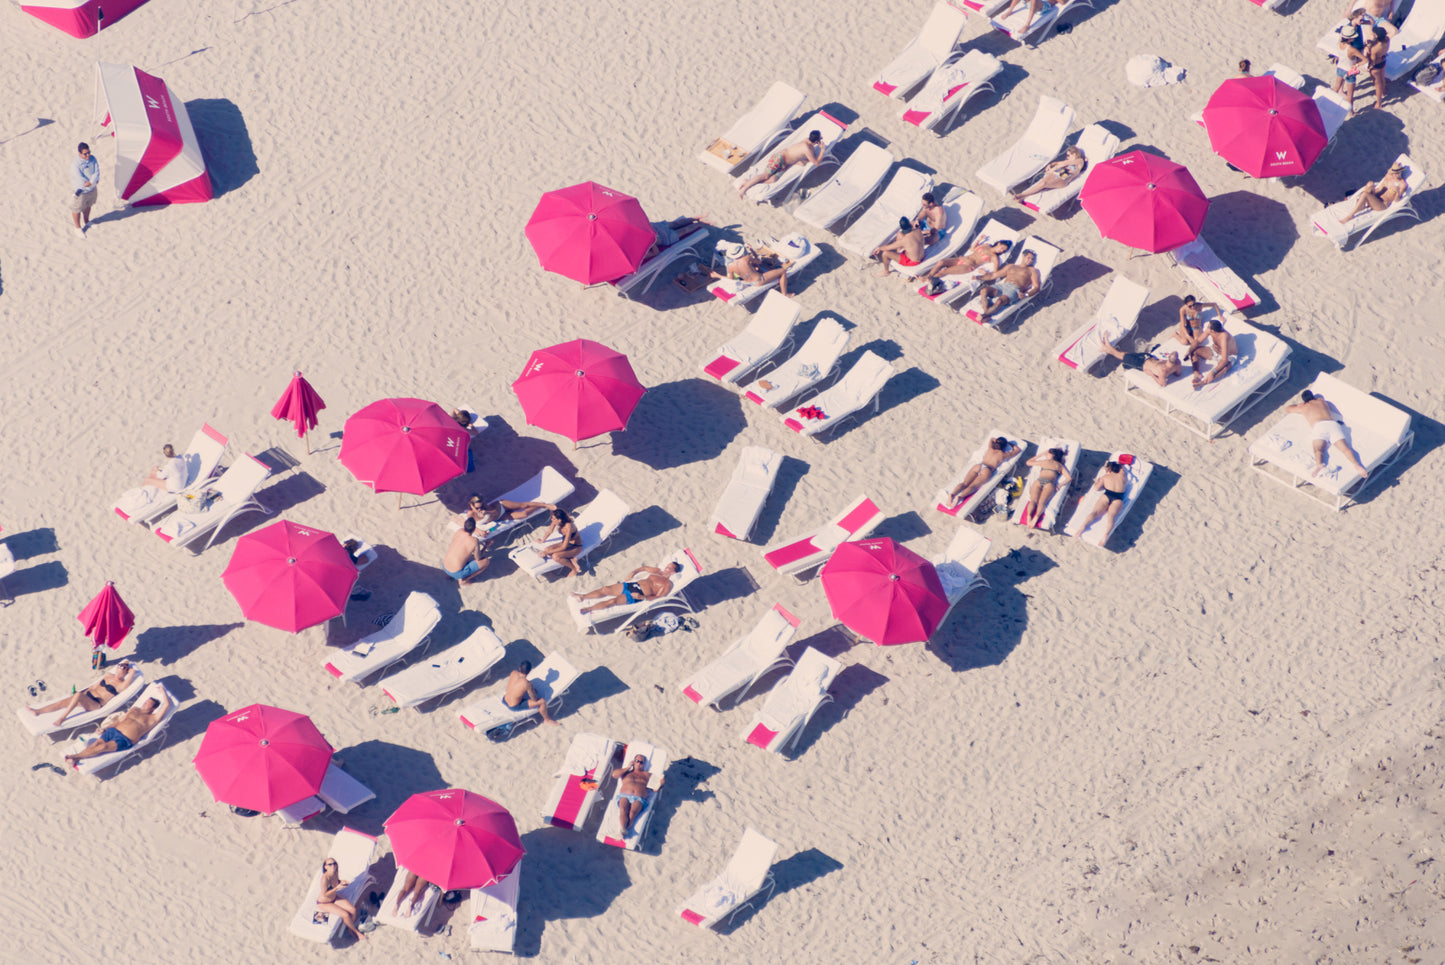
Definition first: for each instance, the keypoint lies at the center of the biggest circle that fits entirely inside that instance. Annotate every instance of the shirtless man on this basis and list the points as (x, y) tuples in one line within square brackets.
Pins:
[(134, 724), (932, 219), (749, 267), (1010, 284), (464, 561), (169, 475), (94, 697), (654, 583), (1376, 10), (1379, 196), (1160, 370), (983, 256), (520, 689), (906, 248), (1190, 332), (804, 152), (1325, 431), (632, 792), (1221, 347)]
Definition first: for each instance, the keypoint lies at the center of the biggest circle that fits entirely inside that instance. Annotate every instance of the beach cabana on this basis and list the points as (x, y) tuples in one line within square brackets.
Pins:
[(80, 18), (157, 156)]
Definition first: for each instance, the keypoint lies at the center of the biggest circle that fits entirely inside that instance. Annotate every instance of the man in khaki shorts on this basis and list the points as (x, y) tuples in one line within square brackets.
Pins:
[(85, 184)]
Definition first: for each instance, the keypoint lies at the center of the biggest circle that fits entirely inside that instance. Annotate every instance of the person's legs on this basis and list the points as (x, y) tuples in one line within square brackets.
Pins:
[(629, 810), (991, 306), (1116, 506), (973, 480), (616, 599), (540, 706), (1377, 76), (345, 909), (780, 275), (1352, 456), (93, 749), (568, 558), (81, 698), (610, 590), (1099, 509), (1319, 448), (406, 886)]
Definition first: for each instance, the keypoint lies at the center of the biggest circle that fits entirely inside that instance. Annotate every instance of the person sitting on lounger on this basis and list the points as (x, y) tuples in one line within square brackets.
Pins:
[(1034, 7), (412, 890), (169, 475), (464, 561), (994, 455), (1009, 285), (906, 248), (328, 901), (670, 233), (1052, 473), (521, 692), (980, 260), (632, 792), (1160, 370), (566, 547), (643, 583), (1190, 332), (748, 266), (1221, 347), (1058, 173), (805, 152), (1325, 431), (1112, 483), (127, 729), (94, 697), (1379, 196), (932, 219), (491, 515)]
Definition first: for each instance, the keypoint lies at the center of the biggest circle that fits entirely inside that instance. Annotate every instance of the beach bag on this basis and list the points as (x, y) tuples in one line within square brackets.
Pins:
[(663, 625), (196, 502), (1427, 74), (97, 660)]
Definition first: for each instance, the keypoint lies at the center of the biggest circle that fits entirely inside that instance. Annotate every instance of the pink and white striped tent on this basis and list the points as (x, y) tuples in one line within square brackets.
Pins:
[(80, 18), (157, 159)]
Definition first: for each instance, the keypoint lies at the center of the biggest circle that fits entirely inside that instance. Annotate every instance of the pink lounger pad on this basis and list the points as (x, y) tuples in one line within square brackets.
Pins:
[(791, 553), (720, 366), (865, 511), (761, 736)]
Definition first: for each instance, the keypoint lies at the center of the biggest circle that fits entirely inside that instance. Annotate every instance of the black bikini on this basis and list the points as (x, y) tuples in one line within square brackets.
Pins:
[(1112, 496), (113, 691)]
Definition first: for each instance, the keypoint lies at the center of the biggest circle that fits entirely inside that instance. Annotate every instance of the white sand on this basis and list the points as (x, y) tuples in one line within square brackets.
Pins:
[(1218, 741)]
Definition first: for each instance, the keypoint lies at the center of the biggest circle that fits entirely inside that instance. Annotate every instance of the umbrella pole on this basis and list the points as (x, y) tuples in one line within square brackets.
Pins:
[(398, 501), (306, 436)]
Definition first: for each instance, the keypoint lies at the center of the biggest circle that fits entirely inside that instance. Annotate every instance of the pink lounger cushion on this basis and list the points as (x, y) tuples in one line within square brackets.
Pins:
[(572, 797), (762, 736), (949, 510), (792, 620), (689, 916), (121, 514), (469, 724), (723, 293), (793, 424), (883, 87), (333, 671), (720, 366), (791, 553), (722, 530), (865, 511), (691, 694), (615, 842)]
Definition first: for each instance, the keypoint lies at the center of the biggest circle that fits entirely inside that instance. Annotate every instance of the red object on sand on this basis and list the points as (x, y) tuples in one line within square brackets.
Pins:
[(590, 233), (578, 389), (1144, 201), (884, 592), (1264, 127), (263, 758), (455, 839), (299, 405), (290, 576), (106, 618), (404, 446)]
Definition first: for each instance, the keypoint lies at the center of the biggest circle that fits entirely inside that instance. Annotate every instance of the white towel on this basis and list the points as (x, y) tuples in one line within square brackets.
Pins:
[(1147, 70)]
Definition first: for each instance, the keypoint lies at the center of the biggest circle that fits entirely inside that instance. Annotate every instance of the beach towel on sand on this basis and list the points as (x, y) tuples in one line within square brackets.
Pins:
[(1146, 70)]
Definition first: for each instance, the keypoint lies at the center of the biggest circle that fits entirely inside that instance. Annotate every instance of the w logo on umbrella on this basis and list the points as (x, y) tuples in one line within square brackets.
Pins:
[(1281, 155)]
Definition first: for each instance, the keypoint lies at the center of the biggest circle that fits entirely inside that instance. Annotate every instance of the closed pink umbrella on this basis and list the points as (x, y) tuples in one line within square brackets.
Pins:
[(1144, 201), (290, 576), (455, 839), (404, 446), (106, 618), (578, 389), (299, 405), (884, 592), (589, 233), (1264, 127), (263, 758)]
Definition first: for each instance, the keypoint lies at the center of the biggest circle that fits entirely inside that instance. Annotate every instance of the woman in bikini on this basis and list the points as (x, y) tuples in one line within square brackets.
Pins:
[(328, 902), (994, 454), (1051, 473), (94, 697), (1378, 197), (1112, 484), (1375, 52), (1058, 173), (568, 546)]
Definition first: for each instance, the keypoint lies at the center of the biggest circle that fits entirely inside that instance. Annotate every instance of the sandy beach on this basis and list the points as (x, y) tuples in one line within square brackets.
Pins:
[(1218, 739)]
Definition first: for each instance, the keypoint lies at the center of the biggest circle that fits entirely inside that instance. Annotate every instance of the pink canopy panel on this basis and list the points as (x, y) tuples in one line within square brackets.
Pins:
[(158, 158), (80, 18)]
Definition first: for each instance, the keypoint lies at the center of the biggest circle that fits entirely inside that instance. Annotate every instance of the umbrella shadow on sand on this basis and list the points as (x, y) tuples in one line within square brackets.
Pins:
[(165, 645), (549, 896), (986, 625), (677, 423), (795, 871)]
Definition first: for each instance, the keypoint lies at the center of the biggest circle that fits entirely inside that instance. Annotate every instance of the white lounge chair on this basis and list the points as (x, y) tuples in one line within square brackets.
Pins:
[(548, 486), (1136, 475), (746, 876), (742, 501), (417, 916), (1215, 281), (957, 288), (802, 370), (100, 762), (1378, 432), (449, 670), (365, 553), (7, 567), (958, 566), (493, 912), (1432, 88), (746, 660), (1046, 258), (339, 791), (1049, 516), (950, 89), (629, 286), (830, 128), (966, 508), (858, 388), (408, 629), (1334, 111), (1039, 145), (930, 49), (793, 702), (792, 248), (755, 132), (595, 522), (1043, 22), (769, 330), (858, 178), (477, 425), (986, 7), (1097, 145), (630, 613), (901, 199), (1327, 222), (550, 679), (353, 851), (1115, 320), (201, 458), (577, 785), (237, 494), (610, 830), (796, 556), (962, 211), (43, 725)]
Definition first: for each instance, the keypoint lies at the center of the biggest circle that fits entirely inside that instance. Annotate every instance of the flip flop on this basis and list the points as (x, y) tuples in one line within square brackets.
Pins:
[(33, 691), (40, 686)]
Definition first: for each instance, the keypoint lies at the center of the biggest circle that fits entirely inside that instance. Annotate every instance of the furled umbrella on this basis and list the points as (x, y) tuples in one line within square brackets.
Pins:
[(263, 758), (1264, 127), (290, 576), (455, 839), (106, 618), (578, 389), (1144, 201), (884, 592), (299, 405), (589, 233), (404, 446)]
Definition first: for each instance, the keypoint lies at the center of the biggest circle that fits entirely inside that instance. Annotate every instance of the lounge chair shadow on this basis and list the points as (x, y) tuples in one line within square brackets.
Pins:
[(733, 583), (1429, 436), (390, 579), (280, 497), (794, 871), (394, 771), (1073, 273), (50, 575), (32, 542), (590, 687), (505, 459), (682, 422), (828, 259), (636, 529), (1126, 534), (166, 645), (547, 896), (903, 387), (683, 782), (853, 683), (903, 527), (831, 641), (225, 142), (790, 471), (988, 623), (191, 720)]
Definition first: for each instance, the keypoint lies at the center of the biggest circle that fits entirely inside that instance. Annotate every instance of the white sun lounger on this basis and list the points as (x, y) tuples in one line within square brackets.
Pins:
[(1043, 22), (237, 488), (901, 199), (548, 486), (794, 247), (595, 522), (770, 329), (927, 51), (746, 876), (742, 501), (339, 791), (610, 830), (962, 212), (1416, 39), (804, 369), (793, 702), (796, 556), (1047, 519), (1039, 145), (986, 7), (408, 629), (630, 613), (648, 272), (746, 660), (44, 724), (1136, 475), (858, 178), (7, 567), (755, 132), (1115, 320), (416, 917), (1378, 431), (958, 566), (831, 129), (550, 679), (1215, 281), (570, 803), (449, 670), (958, 288), (1046, 258), (493, 913), (1432, 88), (965, 509), (1327, 222), (94, 765), (950, 89), (352, 851), (857, 389), (201, 458), (1097, 145)]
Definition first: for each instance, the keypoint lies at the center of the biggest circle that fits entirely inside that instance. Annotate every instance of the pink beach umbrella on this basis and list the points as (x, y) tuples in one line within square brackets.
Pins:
[(589, 233), (299, 405), (1264, 127), (290, 576), (106, 618), (404, 446), (1144, 201), (578, 389), (884, 592), (263, 758), (455, 839)]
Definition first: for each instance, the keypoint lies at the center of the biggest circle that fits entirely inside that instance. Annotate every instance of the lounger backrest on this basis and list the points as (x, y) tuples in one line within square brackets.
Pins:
[(1050, 125), (978, 67), (775, 318), (867, 164), (1124, 301), (240, 482), (417, 617), (1097, 144), (353, 851), (771, 635), (1414, 181), (748, 868), (1046, 256), (780, 103), (812, 675), (1333, 110), (553, 676), (902, 196), (600, 517), (1354, 404), (824, 344), (967, 548), (203, 455), (864, 380), (994, 231)]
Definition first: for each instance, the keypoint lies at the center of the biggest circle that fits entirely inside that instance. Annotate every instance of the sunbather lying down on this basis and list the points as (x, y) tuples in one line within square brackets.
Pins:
[(746, 265), (1058, 173), (981, 259), (994, 455), (94, 697), (632, 792), (670, 233), (124, 731), (643, 583), (1379, 196)]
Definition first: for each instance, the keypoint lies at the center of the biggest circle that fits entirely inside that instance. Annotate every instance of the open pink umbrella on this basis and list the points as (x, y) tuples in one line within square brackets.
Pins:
[(299, 404), (263, 758), (404, 446), (884, 592), (578, 389), (106, 618), (589, 233), (1264, 127), (290, 576), (1144, 201), (455, 839)]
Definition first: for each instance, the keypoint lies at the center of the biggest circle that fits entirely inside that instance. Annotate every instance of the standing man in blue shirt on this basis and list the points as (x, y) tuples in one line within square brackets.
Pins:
[(85, 184)]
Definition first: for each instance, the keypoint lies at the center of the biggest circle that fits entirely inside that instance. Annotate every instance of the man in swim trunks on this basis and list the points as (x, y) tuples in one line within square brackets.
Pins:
[(94, 697), (643, 583), (1378, 197), (1376, 10), (521, 692), (669, 233), (1160, 370), (1009, 285), (632, 792), (1325, 431), (1221, 347), (931, 219), (984, 257), (134, 724), (464, 561), (804, 152), (906, 248)]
